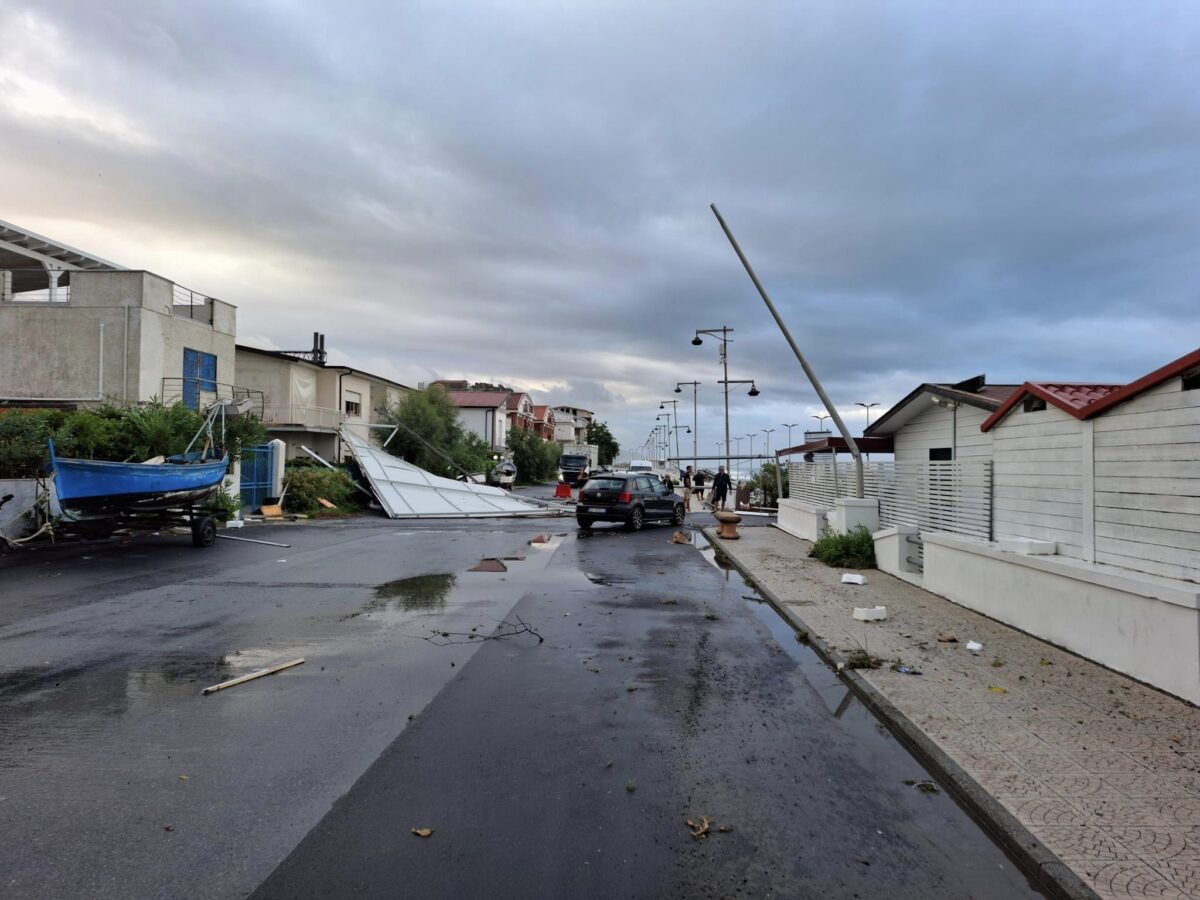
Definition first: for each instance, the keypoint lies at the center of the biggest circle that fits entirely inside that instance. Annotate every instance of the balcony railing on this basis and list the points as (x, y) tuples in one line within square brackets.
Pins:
[(199, 393), (303, 416)]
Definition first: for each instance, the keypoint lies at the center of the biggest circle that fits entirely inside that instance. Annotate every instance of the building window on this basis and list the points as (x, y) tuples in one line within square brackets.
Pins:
[(199, 374), (1034, 404), (1191, 380), (940, 454), (352, 400)]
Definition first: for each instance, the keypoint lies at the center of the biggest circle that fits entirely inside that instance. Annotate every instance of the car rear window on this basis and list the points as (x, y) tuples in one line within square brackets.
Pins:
[(606, 484)]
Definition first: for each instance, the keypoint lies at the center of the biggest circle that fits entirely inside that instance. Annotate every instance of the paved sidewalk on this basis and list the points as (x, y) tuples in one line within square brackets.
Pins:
[(1103, 770)]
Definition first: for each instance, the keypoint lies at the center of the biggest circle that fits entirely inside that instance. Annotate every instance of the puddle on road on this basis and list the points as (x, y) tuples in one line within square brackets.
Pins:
[(420, 593)]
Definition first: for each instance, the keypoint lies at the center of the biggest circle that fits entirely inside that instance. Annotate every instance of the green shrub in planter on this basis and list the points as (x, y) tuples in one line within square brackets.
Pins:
[(855, 550)]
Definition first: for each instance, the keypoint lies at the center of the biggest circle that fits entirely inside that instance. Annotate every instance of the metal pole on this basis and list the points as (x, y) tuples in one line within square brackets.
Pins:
[(695, 429), (778, 483), (812, 376), (725, 362)]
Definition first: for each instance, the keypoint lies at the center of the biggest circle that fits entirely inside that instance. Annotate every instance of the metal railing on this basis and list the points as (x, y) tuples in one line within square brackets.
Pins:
[(202, 392), (937, 496), (191, 304), (303, 416)]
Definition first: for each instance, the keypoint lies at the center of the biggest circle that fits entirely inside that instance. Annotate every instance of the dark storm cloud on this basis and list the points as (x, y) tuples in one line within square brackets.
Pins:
[(519, 191)]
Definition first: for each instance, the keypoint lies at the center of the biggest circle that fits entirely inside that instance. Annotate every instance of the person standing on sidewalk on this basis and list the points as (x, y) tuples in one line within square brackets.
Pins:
[(698, 486), (720, 488), (687, 489)]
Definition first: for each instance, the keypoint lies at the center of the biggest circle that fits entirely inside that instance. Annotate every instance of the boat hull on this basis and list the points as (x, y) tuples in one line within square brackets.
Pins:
[(95, 487)]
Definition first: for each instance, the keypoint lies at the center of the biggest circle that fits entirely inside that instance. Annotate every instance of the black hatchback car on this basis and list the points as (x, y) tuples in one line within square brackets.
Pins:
[(629, 497)]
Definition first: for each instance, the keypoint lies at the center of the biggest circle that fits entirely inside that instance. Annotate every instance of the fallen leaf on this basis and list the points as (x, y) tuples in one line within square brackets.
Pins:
[(183, 778), (422, 832), (1044, 662), (996, 689), (699, 829), (725, 829)]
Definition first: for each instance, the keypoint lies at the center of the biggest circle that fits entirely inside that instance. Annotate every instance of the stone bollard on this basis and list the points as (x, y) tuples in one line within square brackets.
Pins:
[(727, 529)]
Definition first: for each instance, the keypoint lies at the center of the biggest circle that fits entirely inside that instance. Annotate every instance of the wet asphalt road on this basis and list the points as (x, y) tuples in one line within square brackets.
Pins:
[(562, 768)]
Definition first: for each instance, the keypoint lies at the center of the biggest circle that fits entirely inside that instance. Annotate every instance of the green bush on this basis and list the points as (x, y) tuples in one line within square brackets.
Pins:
[(536, 460), (855, 550), (122, 433), (304, 484)]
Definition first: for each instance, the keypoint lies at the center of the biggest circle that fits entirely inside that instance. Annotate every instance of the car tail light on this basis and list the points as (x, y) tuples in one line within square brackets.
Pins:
[(625, 497)]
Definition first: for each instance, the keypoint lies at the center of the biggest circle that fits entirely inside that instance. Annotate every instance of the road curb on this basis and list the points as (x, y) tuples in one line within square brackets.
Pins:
[(1040, 865)]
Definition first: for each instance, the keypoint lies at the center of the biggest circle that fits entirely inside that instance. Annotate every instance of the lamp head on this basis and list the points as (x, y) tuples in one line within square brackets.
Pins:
[(678, 389), (696, 342), (754, 391), (660, 406)]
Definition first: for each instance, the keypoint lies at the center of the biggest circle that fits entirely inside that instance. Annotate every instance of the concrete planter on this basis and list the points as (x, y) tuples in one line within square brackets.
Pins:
[(800, 519)]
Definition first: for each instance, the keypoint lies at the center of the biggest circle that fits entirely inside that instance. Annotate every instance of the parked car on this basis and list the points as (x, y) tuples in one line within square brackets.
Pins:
[(504, 474), (629, 497)]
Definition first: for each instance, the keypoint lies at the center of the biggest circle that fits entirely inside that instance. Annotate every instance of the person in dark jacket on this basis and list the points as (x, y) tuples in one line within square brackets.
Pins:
[(720, 488)]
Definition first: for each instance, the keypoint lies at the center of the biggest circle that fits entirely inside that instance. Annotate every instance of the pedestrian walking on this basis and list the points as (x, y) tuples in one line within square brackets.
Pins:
[(698, 486), (687, 489), (720, 488)]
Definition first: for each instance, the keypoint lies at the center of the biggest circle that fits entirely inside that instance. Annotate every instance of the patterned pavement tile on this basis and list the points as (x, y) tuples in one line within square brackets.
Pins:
[(1184, 872), (1102, 762), (1015, 787), (1090, 786), (1018, 739), (1048, 763), (1126, 879), (1072, 842), (1149, 786), (1039, 813), (1108, 813), (1155, 843)]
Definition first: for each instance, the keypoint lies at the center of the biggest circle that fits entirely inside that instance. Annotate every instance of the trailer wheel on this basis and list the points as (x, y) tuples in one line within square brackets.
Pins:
[(204, 532)]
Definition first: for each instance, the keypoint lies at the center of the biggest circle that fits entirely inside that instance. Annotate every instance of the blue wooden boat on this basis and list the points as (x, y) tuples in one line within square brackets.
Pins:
[(89, 488)]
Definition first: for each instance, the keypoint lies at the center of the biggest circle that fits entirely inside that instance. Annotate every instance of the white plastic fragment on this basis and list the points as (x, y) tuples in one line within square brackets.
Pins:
[(870, 613), (974, 646), (853, 579)]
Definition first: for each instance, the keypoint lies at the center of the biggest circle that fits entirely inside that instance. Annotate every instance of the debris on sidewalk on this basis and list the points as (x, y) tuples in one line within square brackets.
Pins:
[(699, 828), (974, 646), (996, 689), (488, 564), (905, 670), (422, 832), (251, 676), (870, 613), (853, 579), (861, 659), (680, 538), (947, 639), (325, 503)]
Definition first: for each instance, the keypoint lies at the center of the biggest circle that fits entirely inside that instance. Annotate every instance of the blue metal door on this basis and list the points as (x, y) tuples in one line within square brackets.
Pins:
[(191, 378), (199, 374), (258, 467)]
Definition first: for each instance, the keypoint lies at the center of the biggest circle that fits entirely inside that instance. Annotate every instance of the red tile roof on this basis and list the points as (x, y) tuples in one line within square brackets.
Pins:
[(476, 399), (1073, 399), (514, 400), (1180, 366)]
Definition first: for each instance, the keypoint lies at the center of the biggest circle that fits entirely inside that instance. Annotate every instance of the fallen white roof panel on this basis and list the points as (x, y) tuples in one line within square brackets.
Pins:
[(406, 491)]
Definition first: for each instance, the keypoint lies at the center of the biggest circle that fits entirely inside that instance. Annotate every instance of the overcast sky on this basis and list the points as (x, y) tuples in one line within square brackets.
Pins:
[(519, 192)]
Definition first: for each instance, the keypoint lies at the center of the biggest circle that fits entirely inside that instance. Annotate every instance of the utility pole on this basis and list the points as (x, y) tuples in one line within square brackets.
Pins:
[(695, 421)]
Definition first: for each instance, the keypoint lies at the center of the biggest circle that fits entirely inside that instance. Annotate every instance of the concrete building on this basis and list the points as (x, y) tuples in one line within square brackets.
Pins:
[(571, 424), (544, 422), (306, 401), (520, 411), (485, 413), (81, 330)]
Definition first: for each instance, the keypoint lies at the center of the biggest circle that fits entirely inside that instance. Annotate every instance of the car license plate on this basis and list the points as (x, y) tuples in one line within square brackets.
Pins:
[(598, 509)]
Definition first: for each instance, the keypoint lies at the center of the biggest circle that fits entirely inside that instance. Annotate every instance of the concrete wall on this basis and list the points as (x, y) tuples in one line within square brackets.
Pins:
[(267, 374), (800, 519), (1144, 626), (489, 424), (935, 428), (54, 349), (1037, 478), (1146, 471)]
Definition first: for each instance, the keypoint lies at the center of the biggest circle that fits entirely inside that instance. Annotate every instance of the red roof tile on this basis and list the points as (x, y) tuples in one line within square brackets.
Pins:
[(1078, 396), (488, 399), (1074, 399)]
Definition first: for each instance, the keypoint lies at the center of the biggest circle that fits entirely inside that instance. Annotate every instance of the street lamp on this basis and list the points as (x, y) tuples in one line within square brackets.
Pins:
[(767, 432), (789, 428), (821, 421), (695, 420), (721, 334), (867, 407), (675, 410)]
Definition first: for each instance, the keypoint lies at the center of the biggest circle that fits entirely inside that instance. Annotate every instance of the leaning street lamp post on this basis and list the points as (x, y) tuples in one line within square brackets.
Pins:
[(808, 370)]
